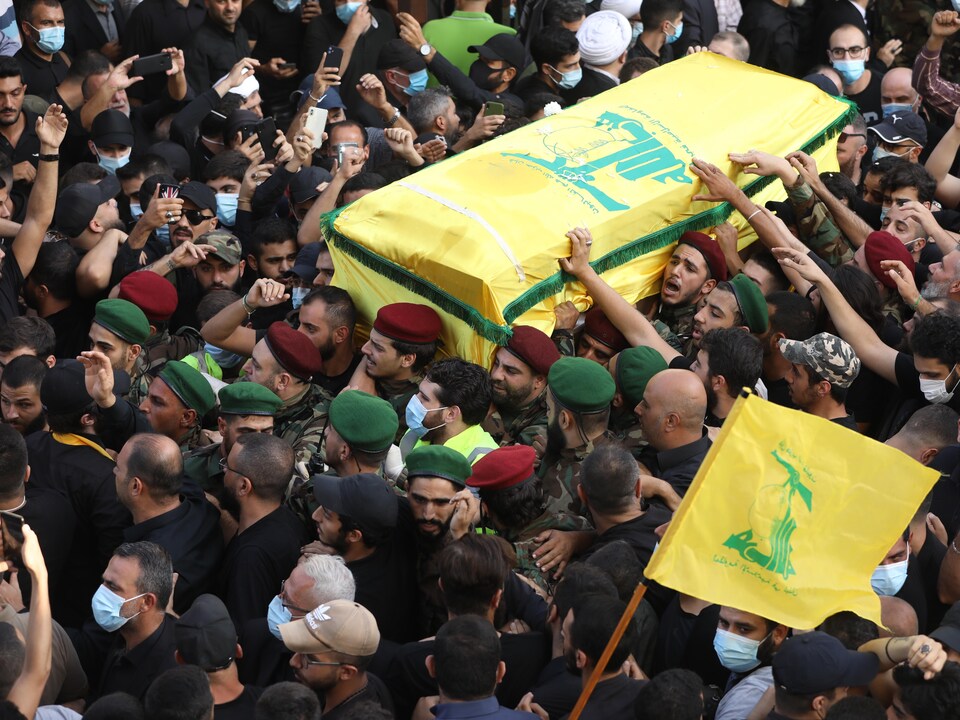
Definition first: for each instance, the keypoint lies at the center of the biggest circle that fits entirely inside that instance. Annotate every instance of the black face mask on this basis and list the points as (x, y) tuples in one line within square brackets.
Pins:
[(480, 73)]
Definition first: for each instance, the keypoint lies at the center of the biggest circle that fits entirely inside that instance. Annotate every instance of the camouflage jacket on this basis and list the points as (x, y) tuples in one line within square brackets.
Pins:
[(192, 440), (675, 326), (522, 546), (561, 476), (202, 465), (302, 420), (628, 432), (565, 342), (818, 231), (157, 351), (520, 428), (398, 394)]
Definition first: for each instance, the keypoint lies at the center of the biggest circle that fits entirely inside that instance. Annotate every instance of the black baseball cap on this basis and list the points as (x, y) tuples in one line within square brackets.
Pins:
[(205, 634), (238, 119), (949, 631), (365, 499), (64, 391), (305, 266), (815, 662), (502, 47), (902, 126), (111, 127), (78, 203), (199, 194), (303, 185), (396, 53)]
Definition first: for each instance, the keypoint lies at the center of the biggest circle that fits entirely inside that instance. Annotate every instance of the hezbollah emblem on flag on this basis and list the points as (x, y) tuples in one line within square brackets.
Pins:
[(780, 518)]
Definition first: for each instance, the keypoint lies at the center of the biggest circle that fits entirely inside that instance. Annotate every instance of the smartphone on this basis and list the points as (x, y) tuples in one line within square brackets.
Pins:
[(316, 121), (341, 147), (267, 134), (151, 65), (493, 108), (247, 131), (11, 528), (287, 66), (169, 191), (334, 57)]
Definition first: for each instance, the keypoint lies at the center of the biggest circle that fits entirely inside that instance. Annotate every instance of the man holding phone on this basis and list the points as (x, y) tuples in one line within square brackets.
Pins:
[(217, 45), (276, 32)]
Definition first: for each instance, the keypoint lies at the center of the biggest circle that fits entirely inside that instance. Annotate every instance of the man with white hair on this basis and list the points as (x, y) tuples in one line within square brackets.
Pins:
[(604, 39)]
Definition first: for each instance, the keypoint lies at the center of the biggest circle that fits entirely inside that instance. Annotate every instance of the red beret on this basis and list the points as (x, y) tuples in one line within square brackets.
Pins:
[(710, 249), (294, 351), (596, 325), (155, 295), (881, 245), (408, 322), (503, 468), (534, 348)]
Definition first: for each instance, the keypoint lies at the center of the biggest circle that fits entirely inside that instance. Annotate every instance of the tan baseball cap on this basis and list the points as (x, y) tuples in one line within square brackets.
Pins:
[(339, 625)]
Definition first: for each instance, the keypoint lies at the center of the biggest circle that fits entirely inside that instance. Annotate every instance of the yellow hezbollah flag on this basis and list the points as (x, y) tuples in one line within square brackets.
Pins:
[(478, 235), (788, 516)]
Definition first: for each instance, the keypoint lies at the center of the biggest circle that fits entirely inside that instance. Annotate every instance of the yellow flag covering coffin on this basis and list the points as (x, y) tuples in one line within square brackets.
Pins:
[(478, 235), (788, 516)]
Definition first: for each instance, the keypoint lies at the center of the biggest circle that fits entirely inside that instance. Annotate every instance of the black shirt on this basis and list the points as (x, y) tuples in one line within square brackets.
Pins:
[(72, 328), (191, 534), (11, 280), (154, 25), (387, 586), (335, 383), (375, 691), (686, 641), (132, 671), (592, 83), (641, 50), (276, 34), (257, 561), (679, 465), (868, 99), (847, 421), (40, 76), (241, 707), (637, 533), (212, 52), (946, 493), (778, 392), (612, 698), (532, 85), (773, 36), (557, 689), (265, 660), (27, 148), (50, 515)]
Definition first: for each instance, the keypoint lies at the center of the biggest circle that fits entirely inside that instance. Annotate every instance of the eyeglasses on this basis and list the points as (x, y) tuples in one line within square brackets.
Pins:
[(290, 607), (310, 661), (224, 467), (195, 217), (855, 52), (846, 136)]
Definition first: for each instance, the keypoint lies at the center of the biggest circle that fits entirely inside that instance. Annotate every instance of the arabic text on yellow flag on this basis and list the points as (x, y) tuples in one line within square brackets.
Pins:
[(478, 235), (788, 516)]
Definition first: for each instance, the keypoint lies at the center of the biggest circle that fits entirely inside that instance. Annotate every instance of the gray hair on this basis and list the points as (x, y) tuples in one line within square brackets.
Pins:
[(332, 580), (424, 107), (741, 47)]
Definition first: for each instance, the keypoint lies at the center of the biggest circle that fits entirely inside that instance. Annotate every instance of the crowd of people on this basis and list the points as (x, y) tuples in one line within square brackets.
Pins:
[(216, 501)]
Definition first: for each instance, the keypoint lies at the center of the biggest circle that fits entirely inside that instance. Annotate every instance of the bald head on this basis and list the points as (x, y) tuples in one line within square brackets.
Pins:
[(895, 88), (672, 410), (156, 460), (928, 431), (897, 616)]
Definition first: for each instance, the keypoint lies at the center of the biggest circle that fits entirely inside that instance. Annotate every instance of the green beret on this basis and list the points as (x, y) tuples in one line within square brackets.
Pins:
[(753, 306), (190, 386), (581, 385), (438, 461), (123, 319), (635, 367), (248, 398), (365, 422)]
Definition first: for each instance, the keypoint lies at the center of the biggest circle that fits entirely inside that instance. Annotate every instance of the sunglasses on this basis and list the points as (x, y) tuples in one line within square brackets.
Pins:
[(845, 136), (195, 217)]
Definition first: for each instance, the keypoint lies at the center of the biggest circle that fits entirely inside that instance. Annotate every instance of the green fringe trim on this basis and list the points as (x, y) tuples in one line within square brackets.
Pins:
[(499, 334)]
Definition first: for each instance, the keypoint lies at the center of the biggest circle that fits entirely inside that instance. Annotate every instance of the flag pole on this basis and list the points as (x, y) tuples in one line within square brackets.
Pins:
[(618, 632)]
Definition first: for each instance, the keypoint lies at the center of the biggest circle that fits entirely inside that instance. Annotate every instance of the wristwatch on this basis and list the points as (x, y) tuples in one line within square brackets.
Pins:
[(425, 49)]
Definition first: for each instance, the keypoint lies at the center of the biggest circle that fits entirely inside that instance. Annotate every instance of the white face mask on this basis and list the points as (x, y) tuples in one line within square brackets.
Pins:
[(935, 391)]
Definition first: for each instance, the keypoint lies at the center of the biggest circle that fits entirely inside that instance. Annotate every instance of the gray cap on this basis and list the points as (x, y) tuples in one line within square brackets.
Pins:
[(830, 357)]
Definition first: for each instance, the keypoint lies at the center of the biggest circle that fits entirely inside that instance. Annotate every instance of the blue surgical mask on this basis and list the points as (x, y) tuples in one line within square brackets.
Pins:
[(891, 108), (51, 39), (635, 30), (879, 153), (227, 208), (415, 415), (883, 214), (106, 609), (163, 235), (849, 70), (112, 164), (677, 32), (513, 11), (103, 2), (736, 653), (136, 212), (286, 6), (297, 295), (888, 579), (277, 615), (569, 80), (418, 83), (346, 11), (223, 358)]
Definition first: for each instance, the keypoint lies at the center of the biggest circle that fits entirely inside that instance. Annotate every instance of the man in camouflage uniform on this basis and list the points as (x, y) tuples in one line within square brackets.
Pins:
[(244, 408), (824, 368), (578, 410), (157, 298), (120, 330), (519, 382), (402, 342), (176, 402), (511, 496), (631, 370)]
